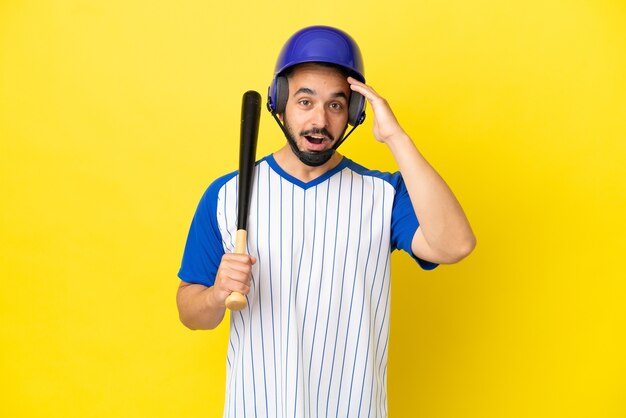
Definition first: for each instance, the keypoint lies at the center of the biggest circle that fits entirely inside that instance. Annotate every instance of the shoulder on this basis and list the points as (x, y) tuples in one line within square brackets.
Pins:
[(220, 182), (393, 179), (211, 193), (228, 180)]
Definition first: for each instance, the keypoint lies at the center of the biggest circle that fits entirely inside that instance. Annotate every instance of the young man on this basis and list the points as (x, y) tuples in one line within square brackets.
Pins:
[(313, 339)]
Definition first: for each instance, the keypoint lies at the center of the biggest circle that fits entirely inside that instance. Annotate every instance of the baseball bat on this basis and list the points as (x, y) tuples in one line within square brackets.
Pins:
[(250, 116)]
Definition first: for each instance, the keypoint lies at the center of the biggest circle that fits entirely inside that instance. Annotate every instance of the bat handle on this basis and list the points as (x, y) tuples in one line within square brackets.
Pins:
[(236, 301)]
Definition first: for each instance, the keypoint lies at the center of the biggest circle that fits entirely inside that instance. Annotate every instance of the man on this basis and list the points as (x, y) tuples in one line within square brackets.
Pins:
[(313, 338)]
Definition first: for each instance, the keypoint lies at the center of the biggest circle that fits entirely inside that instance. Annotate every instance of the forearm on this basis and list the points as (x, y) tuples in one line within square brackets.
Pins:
[(443, 223), (197, 307)]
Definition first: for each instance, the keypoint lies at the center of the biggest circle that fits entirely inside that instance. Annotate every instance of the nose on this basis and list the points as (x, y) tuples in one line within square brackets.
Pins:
[(318, 117)]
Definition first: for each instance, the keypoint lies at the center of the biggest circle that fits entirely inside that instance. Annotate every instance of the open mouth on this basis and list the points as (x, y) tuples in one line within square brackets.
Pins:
[(316, 142), (315, 139)]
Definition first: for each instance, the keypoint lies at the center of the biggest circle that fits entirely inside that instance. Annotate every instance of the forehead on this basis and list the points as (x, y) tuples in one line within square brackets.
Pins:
[(315, 76)]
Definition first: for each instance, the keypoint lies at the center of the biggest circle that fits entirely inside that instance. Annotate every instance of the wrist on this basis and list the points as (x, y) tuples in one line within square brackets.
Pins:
[(399, 142)]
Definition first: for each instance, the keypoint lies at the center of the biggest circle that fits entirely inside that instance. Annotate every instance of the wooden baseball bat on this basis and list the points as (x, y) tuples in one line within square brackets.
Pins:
[(250, 117)]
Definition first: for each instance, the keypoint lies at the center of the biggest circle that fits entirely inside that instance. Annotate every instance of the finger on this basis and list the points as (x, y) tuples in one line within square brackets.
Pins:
[(236, 271), (239, 287), (238, 275), (367, 92), (241, 263), (226, 290), (241, 258), (236, 281), (358, 85)]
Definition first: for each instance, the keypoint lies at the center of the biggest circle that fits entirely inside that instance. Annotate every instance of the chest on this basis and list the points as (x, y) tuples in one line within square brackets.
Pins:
[(346, 209)]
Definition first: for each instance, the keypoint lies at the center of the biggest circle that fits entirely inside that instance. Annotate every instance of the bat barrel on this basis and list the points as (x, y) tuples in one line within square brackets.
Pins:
[(250, 117)]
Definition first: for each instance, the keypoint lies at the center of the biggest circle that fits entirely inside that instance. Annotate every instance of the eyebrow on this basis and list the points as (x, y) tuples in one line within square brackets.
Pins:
[(306, 90)]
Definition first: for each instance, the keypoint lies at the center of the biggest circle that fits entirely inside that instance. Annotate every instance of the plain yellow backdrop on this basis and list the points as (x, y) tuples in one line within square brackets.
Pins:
[(116, 115)]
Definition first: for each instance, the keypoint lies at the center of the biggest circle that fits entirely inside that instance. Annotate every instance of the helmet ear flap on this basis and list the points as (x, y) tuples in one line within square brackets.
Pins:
[(282, 93), (356, 109)]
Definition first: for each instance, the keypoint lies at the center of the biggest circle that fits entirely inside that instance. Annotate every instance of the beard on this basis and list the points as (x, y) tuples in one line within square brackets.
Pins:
[(310, 158), (291, 136)]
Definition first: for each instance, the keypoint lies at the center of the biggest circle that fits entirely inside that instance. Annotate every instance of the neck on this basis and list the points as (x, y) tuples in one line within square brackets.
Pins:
[(289, 162)]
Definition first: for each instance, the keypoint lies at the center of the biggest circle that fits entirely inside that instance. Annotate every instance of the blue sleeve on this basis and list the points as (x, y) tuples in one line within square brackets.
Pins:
[(404, 223), (203, 250)]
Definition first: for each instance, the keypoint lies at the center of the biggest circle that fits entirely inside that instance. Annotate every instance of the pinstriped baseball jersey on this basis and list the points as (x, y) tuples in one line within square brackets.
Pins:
[(313, 340)]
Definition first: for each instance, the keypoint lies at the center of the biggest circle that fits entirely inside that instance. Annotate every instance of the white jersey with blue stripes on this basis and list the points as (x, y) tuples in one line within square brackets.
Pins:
[(312, 341)]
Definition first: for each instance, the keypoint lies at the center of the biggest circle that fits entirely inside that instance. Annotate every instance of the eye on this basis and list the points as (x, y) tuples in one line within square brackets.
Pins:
[(336, 106), (304, 102)]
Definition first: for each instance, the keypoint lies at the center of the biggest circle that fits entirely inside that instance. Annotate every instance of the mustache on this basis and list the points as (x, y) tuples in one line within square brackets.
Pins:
[(318, 131)]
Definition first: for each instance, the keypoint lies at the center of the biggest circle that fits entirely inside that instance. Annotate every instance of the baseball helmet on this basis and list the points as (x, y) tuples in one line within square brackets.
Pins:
[(318, 44)]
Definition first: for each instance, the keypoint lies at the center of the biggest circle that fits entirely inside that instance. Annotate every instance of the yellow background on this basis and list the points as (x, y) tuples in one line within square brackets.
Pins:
[(115, 116)]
